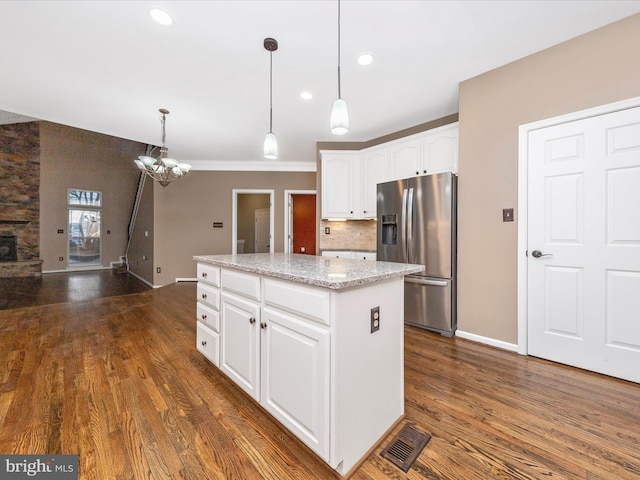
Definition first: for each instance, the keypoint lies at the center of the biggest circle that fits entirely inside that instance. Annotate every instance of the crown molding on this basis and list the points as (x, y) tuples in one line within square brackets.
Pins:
[(251, 166)]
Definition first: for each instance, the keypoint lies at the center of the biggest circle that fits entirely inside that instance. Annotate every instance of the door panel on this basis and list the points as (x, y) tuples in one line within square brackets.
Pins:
[(295, 377), (584, 221), (240, 349)]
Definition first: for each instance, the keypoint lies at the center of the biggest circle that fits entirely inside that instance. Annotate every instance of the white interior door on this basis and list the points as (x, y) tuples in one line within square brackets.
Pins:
[(584, 219), (262, 231)]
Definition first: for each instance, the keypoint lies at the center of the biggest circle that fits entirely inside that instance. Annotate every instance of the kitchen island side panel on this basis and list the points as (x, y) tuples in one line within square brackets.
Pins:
[(367, 368)]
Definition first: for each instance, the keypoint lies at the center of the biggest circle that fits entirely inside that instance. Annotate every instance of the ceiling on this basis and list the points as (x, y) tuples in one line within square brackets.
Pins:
[(106, 66)]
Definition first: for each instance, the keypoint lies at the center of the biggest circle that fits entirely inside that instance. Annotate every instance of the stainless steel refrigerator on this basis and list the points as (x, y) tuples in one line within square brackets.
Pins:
[(417, 224)]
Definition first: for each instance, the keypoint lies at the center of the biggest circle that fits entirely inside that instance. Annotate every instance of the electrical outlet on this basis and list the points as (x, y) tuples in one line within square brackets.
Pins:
[(327, 231), (375, 319), (158, 269), (60, 259)]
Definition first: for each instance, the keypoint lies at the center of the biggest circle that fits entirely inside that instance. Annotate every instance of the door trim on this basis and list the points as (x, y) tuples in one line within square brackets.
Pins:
[(234, 215), (523, 184)]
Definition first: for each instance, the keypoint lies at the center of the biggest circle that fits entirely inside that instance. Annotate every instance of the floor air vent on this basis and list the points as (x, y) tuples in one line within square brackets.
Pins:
[(405, 447)]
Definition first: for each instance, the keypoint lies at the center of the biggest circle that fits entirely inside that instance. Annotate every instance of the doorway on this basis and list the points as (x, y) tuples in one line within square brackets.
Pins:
[(579, 240), (247, 206), (300, 224)]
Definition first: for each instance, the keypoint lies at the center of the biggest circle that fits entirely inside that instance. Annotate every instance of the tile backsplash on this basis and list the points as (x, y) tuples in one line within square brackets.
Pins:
[(349, 235)]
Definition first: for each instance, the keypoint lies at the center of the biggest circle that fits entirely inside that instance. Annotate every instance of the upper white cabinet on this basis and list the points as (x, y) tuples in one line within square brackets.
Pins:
[(338, 184), (433, 151), (350, 178), (373, 164), (405, 159), (440, 150)]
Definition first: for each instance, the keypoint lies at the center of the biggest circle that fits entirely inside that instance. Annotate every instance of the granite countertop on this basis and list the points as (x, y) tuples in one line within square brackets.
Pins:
[(333, 273)]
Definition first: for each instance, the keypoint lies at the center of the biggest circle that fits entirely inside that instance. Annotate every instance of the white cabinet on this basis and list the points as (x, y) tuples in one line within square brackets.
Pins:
[(373, 170), (350, 177), (295, 376), (426, 153), (405, 159), (207, 313), (440, 149), (338, 254), (240, 341), (349, 254), (308, 356), (338, 179)]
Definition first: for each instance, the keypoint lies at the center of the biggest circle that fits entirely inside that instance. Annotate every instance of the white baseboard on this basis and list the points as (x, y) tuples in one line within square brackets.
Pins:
[(487, 341), (186, 280), (148, 284), (78, 269)]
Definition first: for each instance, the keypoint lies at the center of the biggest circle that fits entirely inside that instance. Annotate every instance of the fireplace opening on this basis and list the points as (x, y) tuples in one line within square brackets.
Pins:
[(8, 248)]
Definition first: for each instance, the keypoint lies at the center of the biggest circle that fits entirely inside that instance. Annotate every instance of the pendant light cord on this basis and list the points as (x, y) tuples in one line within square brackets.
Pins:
[(270, 91), (339, 89)]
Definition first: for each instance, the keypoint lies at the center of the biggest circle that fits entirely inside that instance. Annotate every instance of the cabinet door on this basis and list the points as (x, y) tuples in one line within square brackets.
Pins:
[(337, 185), (440, 150), (240, 347), (373, 170), (295, 377), (405, 159)]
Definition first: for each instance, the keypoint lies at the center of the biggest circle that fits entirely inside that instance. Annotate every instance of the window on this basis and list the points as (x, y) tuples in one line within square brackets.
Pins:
[(85, 232)]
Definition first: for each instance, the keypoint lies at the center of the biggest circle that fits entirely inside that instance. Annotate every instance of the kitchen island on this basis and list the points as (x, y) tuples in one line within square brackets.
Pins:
[(316, 341)]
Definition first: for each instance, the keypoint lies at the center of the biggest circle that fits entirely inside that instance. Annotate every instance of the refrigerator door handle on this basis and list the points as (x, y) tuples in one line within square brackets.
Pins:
[(422, 281), (404, 225), (409, 219)]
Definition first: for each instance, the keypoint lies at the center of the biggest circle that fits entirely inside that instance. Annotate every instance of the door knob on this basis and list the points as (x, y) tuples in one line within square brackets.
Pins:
[(538, 254)]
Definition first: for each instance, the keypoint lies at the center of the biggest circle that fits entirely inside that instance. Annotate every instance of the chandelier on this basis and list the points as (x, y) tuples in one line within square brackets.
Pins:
[(162, 169)]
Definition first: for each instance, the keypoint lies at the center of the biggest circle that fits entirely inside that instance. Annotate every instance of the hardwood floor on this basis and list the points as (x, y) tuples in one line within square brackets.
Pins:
[(66, 287), (118, 381)]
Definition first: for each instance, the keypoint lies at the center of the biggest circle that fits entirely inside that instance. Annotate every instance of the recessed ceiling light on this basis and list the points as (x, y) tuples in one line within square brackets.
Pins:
[(306, 95), (160, 16), (365, 59)]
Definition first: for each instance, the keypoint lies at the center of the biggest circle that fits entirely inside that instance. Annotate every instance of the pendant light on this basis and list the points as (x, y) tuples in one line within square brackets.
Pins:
[(339, 114), (163, 169), (270, 141)]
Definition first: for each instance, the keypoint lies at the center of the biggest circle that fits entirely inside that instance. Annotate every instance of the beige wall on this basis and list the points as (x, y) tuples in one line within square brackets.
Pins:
[(74, 158), (184, 213), (595, 69)]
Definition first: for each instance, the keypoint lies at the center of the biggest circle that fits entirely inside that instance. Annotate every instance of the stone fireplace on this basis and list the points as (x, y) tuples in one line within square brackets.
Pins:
[(20, 200)]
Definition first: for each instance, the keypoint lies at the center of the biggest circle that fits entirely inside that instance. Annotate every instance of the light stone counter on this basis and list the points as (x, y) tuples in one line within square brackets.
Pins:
[(333, 273)]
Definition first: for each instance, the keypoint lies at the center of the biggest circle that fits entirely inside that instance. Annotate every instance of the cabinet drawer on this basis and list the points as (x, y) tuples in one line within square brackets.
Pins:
[(242, 283), (313, 303), (208, 343), (208, 274), (208, 316), (208, 295)]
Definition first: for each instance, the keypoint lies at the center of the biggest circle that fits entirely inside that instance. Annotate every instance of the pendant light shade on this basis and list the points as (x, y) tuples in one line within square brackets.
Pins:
[(271, 146), (270, 140), (339, 117), (339, 114)]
